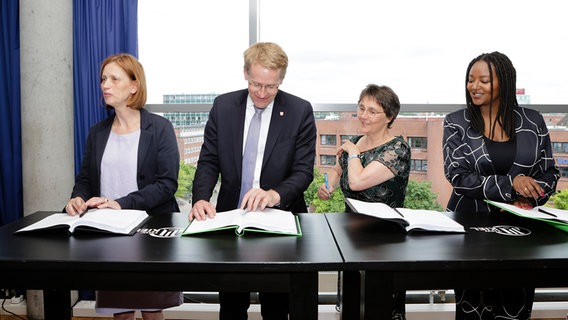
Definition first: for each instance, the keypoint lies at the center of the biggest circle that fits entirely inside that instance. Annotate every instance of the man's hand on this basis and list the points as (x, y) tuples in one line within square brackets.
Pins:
[(201, 210), (257, 199)]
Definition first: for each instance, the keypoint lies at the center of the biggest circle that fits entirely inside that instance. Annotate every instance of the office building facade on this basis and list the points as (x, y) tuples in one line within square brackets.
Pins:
[(423, 132)]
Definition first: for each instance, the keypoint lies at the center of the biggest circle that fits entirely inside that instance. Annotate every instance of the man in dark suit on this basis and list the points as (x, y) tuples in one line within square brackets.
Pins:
[(282, 165)]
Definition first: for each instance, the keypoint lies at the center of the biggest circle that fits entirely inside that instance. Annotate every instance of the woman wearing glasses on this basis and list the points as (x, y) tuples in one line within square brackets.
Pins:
[(374, 166)]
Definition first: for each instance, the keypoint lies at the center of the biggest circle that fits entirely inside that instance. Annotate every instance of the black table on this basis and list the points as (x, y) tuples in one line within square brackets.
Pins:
[(57, 262), (380, 257)]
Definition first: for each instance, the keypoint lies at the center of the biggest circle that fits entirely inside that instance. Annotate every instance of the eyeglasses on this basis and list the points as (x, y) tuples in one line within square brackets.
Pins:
[(371, 113), (268, 87)]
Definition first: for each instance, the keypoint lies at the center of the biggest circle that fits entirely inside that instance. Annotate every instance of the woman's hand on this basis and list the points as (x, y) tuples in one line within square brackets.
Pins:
[(522, 203), (348, 147), (101, 203), (323, 193), (75, 206), (527, 187)]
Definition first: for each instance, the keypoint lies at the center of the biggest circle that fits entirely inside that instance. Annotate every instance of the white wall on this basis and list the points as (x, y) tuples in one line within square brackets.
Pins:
[(46, 53)]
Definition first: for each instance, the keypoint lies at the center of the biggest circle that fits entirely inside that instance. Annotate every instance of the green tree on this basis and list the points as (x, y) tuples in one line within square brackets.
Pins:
[(185, 180), (560, 199), (419, 195), (335, 204)]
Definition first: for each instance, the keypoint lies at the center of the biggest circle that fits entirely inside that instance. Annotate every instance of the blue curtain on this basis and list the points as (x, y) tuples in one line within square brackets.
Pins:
[(100, 28), (11, 185)]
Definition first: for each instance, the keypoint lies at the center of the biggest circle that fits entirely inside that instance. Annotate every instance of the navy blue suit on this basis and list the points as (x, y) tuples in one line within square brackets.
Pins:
[(289, 155), (158, 165), (287, 168)]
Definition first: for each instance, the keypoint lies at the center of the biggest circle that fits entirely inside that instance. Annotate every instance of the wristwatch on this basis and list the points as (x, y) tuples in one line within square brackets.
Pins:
[(352, 156)]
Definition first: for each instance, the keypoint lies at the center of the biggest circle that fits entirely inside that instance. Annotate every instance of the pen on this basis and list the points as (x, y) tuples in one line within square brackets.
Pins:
[(83, 213), (545, 212), (326, 181)]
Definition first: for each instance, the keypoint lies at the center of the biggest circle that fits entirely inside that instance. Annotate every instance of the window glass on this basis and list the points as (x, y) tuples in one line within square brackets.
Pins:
[(328, 140), (418, 142), (327, 159), (336, 47), (192, 51), (418, 165), (419, 48), (347, 137), (192, 46)]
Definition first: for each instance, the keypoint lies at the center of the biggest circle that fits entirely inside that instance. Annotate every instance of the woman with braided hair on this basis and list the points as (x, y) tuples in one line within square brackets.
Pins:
[(496, 150)]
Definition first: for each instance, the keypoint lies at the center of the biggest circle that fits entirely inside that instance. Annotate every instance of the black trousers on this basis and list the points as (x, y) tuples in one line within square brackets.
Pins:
[(399, 304), (494, 303), (273, 305)]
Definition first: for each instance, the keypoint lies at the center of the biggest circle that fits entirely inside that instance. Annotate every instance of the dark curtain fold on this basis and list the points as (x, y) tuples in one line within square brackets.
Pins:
[(100, 28), (11, 185)]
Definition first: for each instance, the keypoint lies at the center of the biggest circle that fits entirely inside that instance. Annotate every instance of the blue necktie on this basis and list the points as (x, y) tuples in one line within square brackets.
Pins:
[(249, 155)]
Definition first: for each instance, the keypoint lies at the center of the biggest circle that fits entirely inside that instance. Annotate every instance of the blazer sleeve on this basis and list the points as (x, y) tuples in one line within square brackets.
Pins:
[(84, 186), (467, 166), (300, 172), (208, 167), (544, 171)]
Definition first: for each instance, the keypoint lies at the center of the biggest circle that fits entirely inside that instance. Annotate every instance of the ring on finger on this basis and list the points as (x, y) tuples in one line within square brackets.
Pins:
[(526, 189)]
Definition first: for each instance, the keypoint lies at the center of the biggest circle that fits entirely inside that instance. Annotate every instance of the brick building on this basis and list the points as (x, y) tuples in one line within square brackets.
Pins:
[(424, 135)]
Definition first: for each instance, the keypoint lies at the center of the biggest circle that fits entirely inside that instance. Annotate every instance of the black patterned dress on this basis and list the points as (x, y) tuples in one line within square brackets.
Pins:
[(395, 155)]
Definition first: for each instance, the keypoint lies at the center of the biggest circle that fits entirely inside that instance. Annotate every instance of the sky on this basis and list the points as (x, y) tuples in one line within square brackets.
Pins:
[(419, 48)]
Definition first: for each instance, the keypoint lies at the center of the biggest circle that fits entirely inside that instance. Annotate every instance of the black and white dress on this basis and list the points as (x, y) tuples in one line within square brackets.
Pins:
[(479, 169), (470, 168)]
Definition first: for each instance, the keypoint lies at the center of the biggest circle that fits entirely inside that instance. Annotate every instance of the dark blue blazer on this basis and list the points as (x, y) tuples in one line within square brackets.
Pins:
[(289, 155), (158, 165), (469, 168)]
